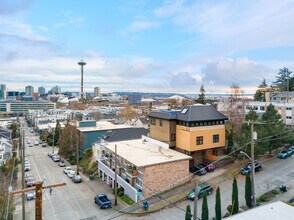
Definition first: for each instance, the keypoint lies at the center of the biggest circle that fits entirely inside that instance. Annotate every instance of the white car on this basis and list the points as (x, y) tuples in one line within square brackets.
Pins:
[(66, 169), (71, 173)]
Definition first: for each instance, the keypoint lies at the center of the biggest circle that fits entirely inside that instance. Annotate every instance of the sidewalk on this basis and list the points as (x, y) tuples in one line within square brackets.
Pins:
[(179, 193)]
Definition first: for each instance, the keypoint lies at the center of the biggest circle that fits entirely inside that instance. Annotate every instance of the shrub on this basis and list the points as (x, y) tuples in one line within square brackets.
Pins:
[(120, 193), (263, 198), (275, 192)]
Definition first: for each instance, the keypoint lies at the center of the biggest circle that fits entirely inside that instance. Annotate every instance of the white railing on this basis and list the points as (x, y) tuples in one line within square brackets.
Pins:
[(129, 190)]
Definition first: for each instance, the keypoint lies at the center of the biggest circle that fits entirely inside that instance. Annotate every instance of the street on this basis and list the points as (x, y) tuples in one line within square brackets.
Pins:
[(73, 201)]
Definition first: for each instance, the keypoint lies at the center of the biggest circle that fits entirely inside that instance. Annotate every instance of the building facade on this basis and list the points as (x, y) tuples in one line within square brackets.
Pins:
[(23, 107), (5, 150), (41, 91), (97, 92), (196, 130), (29, 90), (2, 91), (135, 99)]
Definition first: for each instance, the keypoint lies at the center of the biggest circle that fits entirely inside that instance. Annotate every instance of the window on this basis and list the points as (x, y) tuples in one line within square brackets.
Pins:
[(288, 108), (215, 138), (139, 182), (261, 108), (288, 117), (199, 140), (152, 121), (161, 122), (184, 111)]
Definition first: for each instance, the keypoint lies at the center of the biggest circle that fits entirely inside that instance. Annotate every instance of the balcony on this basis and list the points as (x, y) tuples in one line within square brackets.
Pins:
[(132, 173)]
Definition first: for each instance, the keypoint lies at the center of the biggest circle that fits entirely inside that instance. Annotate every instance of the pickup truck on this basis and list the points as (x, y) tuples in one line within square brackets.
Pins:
[(102, 201)]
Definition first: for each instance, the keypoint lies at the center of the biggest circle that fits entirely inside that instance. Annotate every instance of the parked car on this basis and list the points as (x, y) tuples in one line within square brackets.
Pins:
[(30, 182), (27, 168), (56, 158), (30, 145), (102, 201), (203, 187), (44, 145), (198, 169), (40, 141), (76, 179), (285, 153), (36, 143), (66, 169), (208, 167), (28, 175), (50, 154), (71, 173), (31, 195), (292, 148), (247, 169), (61, 164)]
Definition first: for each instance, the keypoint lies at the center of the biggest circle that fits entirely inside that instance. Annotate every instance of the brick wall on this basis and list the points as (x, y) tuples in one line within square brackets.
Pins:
[(159, 177)]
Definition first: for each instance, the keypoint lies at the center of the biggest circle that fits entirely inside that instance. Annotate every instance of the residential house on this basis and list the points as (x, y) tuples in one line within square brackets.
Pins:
[(197, 130), (5, 150), (144, 166)]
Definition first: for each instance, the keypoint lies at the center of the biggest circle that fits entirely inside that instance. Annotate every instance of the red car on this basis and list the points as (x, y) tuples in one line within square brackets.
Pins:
[(208, 167), (30, 182)]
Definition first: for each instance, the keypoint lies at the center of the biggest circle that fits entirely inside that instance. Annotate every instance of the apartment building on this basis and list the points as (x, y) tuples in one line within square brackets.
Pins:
[(197, 130), (144, 166), (14, 107)]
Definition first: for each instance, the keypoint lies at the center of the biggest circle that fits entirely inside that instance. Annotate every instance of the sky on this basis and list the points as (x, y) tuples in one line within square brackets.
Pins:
[(145, 46)]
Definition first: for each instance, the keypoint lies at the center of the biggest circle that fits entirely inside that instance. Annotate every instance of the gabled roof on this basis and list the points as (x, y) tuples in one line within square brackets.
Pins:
[(125, 134), (200, 113), (144, 120)]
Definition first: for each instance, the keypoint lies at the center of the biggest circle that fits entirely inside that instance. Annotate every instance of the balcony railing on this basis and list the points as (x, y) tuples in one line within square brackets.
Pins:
[(132, 172)]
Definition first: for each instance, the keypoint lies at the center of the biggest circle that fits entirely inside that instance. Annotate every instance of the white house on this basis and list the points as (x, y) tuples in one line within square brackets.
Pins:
[(5, 150)]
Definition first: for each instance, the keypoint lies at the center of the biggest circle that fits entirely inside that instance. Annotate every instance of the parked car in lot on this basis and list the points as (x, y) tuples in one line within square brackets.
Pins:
[(71, 173), (285, 153), (50, 154), (28, 175), (31, 195), (76, 179), (198, 169), (44, 145), (66, 169), (30, 182), (36, 143), (208, 167), (292, 148), (102, 201), (203, 187), (247, 169)]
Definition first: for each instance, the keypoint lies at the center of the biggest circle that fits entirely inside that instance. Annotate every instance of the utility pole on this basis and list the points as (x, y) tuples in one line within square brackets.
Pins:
[(22, 175), (53, 140), (115, 176), (252, 166), (288, 89), (38, 202), (195, 200), (78, 153)]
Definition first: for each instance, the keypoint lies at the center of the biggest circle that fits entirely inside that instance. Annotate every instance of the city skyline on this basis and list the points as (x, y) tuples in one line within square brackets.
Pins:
[(160, 46)]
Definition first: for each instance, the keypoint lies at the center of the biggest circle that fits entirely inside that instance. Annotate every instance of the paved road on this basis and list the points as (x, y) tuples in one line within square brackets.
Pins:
[(275, 172), (74, 201)]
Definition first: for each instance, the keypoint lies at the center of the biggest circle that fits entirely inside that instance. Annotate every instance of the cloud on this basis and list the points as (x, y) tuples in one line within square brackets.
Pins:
[(138, 26), (182, 80), (43, 28), (11, 7), (232, 26), (241, 71), (58, 25)]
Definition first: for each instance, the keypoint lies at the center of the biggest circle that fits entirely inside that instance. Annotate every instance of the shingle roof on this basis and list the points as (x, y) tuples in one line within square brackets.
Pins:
[(170, 115), (191, 113), (200, 113), (125, 134)]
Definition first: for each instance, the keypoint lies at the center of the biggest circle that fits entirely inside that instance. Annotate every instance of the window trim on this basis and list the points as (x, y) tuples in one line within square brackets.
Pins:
[(199, 140)]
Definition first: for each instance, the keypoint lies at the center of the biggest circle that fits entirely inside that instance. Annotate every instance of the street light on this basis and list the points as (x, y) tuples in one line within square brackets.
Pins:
[(241, 152)]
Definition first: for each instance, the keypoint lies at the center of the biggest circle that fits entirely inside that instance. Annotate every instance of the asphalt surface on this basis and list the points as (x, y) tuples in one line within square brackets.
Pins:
[(73, 201), (274, 173)]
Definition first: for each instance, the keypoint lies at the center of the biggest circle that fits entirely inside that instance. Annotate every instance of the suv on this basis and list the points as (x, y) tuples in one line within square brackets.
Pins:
[(76, 179), (202, 188), (247, 169), (285, 153)]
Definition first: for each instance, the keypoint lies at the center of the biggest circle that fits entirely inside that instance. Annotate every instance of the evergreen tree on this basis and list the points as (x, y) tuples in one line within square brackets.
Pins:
[(218, 207), (282, 79), (188, 215), (57, 133), (235, 199), (248, 191), (259, 95), (201, 96), (204, 214)]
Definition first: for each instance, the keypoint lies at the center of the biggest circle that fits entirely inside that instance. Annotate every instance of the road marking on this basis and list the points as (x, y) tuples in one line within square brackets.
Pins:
[(53, 211), (77, 214)]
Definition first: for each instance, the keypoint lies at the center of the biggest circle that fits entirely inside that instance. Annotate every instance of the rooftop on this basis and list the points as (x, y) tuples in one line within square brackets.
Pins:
[(276, 210), (125, 134), (142, 154), (103, 125)]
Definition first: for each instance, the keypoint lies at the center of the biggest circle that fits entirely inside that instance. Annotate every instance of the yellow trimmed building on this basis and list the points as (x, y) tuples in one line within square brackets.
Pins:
[(197, 130)]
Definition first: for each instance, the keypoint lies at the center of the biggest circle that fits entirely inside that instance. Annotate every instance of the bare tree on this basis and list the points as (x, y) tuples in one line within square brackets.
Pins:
[(128, 113)]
